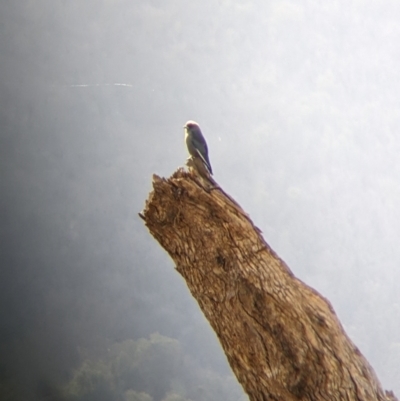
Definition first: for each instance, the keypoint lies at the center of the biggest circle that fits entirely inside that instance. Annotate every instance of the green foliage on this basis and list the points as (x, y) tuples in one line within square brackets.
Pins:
[(148, 365), (149, 369), (132, 395), (92, 378), (175, 397)]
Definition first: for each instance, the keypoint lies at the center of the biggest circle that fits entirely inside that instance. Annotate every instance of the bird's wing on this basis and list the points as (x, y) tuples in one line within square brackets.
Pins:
[(200, 145), (205, 162), (203, 158)]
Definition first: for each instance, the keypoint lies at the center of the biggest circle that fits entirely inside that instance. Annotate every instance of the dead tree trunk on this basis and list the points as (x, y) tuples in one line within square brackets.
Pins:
[(281, 337)]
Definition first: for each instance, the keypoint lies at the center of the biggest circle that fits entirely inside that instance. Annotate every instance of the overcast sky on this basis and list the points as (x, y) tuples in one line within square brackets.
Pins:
[(299, 102)]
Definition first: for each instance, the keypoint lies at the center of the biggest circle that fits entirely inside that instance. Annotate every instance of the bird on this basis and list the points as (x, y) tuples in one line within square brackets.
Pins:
[(196, 144)]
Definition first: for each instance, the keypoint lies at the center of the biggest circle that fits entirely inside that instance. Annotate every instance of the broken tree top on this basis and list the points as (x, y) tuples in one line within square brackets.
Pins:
[(282, 339)]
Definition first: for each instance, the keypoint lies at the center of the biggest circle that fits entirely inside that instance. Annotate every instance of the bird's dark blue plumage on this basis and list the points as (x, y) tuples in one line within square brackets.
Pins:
[(196, 144)]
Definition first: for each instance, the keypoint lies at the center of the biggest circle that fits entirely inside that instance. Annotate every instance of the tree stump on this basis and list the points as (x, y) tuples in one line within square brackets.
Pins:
[(282, 339)]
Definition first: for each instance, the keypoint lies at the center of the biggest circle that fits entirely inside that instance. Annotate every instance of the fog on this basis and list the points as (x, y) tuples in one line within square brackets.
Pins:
[(299, 102)]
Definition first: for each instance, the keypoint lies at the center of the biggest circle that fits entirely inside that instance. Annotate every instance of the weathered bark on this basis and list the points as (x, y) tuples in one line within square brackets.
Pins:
[(281, 337)]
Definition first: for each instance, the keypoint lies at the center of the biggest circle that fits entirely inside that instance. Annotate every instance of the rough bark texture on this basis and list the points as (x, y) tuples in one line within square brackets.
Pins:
[(281, 337)]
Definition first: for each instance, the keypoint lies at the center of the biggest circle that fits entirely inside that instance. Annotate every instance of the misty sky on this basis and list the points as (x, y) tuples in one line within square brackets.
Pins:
[(299, 102)]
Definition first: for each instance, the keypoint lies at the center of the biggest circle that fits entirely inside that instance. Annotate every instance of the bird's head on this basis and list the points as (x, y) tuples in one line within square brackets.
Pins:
[(191, 126)]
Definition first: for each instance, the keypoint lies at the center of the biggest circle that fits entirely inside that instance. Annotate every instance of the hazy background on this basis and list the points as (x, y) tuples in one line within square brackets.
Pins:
[(300, 104)]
